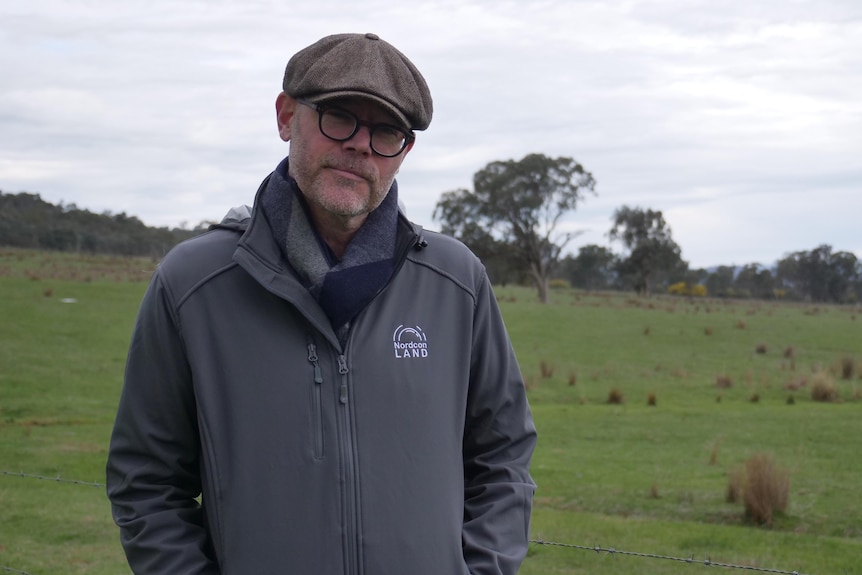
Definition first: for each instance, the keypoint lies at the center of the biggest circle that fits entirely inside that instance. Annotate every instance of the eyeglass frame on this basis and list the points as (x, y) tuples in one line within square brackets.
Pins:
[(409, 136)]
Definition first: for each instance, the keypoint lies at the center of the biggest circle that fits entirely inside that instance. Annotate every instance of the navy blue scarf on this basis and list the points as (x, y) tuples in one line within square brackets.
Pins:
[(342, 287)]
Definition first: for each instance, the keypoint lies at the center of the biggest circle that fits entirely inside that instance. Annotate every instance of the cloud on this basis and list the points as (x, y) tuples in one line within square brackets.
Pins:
[(740, 120)]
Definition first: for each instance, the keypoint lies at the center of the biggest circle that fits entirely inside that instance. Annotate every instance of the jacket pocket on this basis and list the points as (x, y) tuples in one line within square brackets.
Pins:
[(316, 404)]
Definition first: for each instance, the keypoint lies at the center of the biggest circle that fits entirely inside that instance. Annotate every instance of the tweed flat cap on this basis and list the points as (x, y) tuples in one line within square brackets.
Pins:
[(360, 65)]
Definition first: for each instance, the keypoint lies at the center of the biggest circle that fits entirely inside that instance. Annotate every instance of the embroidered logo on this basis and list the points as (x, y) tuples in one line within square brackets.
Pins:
[(409, 342)]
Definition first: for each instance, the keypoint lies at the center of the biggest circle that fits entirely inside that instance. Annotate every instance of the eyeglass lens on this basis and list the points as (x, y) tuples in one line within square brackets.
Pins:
[(341, 125)]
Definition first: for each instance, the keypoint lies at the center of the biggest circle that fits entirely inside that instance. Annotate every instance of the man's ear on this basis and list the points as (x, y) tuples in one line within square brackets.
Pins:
[(285, 107), (407, 150)]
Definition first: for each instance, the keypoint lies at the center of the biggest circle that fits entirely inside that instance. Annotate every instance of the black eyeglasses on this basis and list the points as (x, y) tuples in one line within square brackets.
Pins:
[(340, 125)]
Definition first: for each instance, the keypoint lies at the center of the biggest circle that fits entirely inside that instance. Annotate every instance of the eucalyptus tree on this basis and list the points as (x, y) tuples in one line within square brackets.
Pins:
[(515, 211)]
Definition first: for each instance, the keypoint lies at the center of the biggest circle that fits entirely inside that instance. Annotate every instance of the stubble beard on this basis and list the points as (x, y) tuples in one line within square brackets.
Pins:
[(341, 196)]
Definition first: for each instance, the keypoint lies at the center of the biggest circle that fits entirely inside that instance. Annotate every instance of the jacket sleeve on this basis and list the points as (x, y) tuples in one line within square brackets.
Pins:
[(153, 460), (499, 438)]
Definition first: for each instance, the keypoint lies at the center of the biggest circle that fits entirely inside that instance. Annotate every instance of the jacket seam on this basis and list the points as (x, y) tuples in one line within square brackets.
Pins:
[(448, 276), (198, 284)]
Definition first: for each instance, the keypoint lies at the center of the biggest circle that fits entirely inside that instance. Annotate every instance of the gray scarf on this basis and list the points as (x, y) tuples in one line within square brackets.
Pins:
[(343, 287)]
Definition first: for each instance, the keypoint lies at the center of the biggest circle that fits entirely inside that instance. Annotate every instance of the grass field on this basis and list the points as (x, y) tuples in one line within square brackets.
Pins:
[(728, 380)]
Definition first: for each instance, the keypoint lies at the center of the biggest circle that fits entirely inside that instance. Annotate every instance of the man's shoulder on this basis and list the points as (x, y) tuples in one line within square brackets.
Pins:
[(197, 259), (449, 257)]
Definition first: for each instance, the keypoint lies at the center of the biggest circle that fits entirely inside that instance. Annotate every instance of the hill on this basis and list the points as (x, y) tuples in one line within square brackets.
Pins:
[(27, 221)]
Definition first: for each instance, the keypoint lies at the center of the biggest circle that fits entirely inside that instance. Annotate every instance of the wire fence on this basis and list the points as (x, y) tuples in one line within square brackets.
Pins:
[(610, 551)]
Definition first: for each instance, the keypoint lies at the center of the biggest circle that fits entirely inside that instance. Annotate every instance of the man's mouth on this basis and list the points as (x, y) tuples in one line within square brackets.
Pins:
[(349, 173)]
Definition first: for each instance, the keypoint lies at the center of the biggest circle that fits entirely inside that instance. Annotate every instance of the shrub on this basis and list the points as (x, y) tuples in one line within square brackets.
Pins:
[(559, 283), (823, 388), (682, 288), (766, 489)]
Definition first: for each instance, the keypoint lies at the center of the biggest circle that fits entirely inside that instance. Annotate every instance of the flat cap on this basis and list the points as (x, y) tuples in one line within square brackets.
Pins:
[(360, 65)]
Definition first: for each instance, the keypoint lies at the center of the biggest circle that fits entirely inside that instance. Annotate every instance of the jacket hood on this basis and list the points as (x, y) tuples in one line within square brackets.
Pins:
[(237, 219)]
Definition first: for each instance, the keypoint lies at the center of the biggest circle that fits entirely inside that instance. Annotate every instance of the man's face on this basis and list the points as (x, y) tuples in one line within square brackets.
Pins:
[(341, 179)]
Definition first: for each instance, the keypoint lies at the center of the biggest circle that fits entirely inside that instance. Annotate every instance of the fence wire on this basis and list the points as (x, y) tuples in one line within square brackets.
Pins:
[(57, 479), (611, 551), (706, 562)]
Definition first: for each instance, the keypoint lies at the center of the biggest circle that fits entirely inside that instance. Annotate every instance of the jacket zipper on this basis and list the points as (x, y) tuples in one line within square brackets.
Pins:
[(350, 499), (317, 402), (350, 494)]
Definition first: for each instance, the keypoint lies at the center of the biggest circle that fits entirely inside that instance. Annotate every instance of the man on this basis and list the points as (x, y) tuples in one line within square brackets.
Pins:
[(322, 387)]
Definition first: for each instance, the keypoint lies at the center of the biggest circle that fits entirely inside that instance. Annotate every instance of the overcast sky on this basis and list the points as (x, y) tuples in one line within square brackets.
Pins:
[(740, 119)]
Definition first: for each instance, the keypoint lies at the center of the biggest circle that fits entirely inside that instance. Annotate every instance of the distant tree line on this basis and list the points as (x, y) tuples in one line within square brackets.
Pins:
[(513, 219), (27, 221), (817, 275)]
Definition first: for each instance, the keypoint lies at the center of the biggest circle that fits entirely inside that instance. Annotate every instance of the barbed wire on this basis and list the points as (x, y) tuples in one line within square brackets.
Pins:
[(56, 479), (706, 562), (595, 548)]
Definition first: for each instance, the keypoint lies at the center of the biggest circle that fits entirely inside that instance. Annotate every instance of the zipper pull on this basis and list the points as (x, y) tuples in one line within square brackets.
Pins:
[(342, 369), (312, 358)]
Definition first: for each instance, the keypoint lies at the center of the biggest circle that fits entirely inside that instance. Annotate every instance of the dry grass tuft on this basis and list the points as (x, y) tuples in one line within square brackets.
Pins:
[(723, 382), (573, 378), (766, 489), (847, 367), (735, 485), (796, 384), (713, 455), (823, 388), (680, 372), (741, 324), (708, 330), (755, 397), (546, 369), (646, 330), (791, 400), (761, 348), (789, 352), (615, 396), (653, 491), (651, 400)]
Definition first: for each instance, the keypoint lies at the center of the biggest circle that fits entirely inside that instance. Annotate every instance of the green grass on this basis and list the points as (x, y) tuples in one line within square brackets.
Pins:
[(652, 479), (630, 476), (61, 365)]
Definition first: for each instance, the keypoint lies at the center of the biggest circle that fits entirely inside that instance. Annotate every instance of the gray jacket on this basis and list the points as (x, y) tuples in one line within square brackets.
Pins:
[(406, 451)]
